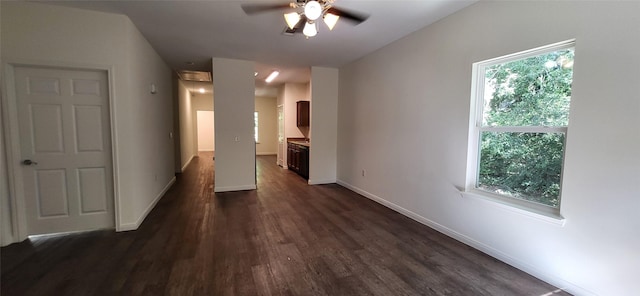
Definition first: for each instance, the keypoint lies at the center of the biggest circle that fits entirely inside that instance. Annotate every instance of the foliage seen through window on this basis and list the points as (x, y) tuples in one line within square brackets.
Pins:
[(524, 119)]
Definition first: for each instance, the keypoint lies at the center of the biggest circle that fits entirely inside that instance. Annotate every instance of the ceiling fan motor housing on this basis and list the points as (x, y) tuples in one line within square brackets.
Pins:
[(313, 10), (305, 21)]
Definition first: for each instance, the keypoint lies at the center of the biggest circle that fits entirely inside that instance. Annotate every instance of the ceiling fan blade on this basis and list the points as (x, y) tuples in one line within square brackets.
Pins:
[(259, 8), (300, 25), (355, 17)]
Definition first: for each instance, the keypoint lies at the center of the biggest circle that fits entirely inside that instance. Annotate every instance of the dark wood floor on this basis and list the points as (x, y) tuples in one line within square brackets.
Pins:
[(286, 238)]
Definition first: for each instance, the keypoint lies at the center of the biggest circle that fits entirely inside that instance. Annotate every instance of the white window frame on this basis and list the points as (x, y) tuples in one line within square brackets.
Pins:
[(476, 129), (255, 126)]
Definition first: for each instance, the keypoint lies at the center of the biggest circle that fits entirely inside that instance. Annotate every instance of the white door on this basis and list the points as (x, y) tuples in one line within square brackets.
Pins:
[(65, 144), (281, 146)]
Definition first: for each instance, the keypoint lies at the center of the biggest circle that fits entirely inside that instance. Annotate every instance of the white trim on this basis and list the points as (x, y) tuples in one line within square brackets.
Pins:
[(320, 182), (542, 213), (127, 227), (12, 136), (136, 225), (493, 252), (205, 150), (529, 53), (524, 129), (266, 153), (235, 188), (12, 147), (58, 234), (184, 167), (114, 143)]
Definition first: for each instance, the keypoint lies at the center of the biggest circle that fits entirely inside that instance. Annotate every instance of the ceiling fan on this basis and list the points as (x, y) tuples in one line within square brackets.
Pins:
[(307, 13)]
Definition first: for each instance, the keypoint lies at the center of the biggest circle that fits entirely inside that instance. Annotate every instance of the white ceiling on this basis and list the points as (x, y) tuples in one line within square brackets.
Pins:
[(196, 31)]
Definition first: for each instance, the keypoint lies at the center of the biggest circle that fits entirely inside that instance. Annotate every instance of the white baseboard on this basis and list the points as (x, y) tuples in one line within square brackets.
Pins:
[(266, 153), (549, 278), (134, 226), (184, 167), (234, 188), (320, 182), (128, 227)]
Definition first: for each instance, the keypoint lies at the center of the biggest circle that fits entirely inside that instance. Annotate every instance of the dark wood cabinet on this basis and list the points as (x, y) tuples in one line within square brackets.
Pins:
[(298, 159), (293, 159), (303, 113), (304, 161)]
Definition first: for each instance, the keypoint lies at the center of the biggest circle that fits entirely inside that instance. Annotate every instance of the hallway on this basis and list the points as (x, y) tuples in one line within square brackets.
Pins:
[(286, 238)]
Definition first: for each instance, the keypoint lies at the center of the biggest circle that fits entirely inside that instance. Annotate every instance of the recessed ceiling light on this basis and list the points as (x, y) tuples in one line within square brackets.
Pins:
[(255, 74), (272, 76)]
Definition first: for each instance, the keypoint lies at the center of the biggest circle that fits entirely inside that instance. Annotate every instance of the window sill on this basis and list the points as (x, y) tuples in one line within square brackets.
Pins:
[(538, 212)]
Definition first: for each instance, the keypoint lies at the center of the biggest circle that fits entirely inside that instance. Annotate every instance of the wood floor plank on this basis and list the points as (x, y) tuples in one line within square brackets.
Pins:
[(285, 238)]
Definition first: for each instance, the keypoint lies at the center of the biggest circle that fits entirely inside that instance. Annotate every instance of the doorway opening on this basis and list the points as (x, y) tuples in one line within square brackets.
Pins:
[(205, 125), (290, 86)]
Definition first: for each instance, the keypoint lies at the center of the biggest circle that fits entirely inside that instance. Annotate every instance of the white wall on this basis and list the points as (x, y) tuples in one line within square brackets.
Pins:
[(280, 97), (188, 146), (404, 115), (233, 84), (324, 125), (152, 142), (267, 125), (41, 34), (205, 126), (177, 164), (202, 102), (294, 92)]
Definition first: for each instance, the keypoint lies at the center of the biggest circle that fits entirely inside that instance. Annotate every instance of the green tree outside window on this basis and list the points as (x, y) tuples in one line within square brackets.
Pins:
[(525, 112)]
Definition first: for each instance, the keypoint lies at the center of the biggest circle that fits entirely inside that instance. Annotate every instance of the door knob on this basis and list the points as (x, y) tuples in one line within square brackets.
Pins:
[(29, 162)]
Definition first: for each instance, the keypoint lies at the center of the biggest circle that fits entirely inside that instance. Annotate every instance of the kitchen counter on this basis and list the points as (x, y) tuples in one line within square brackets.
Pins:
[(300, 142)]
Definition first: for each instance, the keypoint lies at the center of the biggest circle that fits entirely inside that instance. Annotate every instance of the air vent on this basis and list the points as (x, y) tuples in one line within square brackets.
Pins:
[(289, 32), (194, 75)]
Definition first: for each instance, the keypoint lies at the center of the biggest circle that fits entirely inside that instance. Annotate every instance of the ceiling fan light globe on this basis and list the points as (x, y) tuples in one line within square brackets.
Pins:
[(313, 10), (310, 30), (331, 20), (292, 19)]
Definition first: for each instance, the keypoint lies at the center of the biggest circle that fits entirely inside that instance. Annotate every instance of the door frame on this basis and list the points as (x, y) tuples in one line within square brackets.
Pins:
[(12, 138)]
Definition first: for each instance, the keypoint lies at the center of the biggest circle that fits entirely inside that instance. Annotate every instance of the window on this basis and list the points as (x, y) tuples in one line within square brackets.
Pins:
[(520, 114), (255, 126)]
